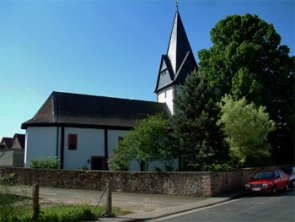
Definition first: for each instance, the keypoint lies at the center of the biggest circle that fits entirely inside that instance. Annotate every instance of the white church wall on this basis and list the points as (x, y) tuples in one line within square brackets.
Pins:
[(40, 142), (90, 142), (113, 139), (167, 96)]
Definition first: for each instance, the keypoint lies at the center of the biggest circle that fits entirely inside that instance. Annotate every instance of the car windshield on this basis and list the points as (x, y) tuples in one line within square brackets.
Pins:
[(264, 175)]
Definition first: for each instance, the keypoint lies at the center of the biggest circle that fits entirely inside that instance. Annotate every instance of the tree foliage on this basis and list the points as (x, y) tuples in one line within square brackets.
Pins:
[(246, 128), (146, 143), (247, 60), (46, 162), (197, 137)]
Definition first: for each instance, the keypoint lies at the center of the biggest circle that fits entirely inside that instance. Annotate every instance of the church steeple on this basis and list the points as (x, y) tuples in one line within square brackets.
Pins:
[(176, 65)]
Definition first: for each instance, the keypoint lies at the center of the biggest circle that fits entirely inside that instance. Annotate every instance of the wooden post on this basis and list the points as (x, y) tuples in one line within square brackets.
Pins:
[(109, 199), (36, 207)]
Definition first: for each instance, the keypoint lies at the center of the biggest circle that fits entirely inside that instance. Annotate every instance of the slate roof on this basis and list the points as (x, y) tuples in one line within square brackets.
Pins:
[(6, 141), (21, 141), (179, 60), (70, 109)]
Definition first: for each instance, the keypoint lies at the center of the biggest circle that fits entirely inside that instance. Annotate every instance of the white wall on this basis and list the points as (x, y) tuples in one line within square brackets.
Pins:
[(6, 158), (90, 143), (167, 96), (40, 142), (113, 137)]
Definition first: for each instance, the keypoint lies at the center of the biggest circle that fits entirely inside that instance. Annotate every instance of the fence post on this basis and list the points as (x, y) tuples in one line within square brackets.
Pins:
[(36, 207), (109, 199)]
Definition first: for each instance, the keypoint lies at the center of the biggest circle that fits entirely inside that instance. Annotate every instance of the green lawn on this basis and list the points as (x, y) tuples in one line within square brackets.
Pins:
[(15, 208)]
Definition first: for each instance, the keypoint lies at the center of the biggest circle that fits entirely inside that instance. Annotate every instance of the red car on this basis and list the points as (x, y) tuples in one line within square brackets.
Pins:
[(269, 181)]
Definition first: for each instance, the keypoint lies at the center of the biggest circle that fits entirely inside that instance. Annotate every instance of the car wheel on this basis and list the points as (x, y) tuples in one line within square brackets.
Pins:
[(274, 190)]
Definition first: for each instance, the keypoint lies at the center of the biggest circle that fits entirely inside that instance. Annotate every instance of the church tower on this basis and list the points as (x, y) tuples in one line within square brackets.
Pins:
[(175, 66)]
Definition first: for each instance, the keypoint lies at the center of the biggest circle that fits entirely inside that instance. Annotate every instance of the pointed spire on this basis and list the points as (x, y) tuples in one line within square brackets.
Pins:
[(179, 60), (179, 45)]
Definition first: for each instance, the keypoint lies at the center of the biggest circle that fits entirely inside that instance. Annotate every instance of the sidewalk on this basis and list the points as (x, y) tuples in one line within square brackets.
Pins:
[(142, 206), (170, 210)]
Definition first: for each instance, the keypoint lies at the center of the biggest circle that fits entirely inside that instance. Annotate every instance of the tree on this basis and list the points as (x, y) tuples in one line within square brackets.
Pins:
[(247, 60), (146, 143), (197, 137), (246, 128)]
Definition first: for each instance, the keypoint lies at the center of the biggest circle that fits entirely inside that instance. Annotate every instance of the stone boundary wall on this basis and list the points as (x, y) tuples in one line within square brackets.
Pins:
[(178, 183)]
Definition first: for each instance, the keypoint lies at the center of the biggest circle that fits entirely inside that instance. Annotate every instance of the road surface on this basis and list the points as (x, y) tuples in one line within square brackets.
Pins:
[(279, 208)]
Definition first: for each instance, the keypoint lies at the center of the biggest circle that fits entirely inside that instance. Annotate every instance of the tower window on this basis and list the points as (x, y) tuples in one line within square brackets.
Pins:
[(164, 72)]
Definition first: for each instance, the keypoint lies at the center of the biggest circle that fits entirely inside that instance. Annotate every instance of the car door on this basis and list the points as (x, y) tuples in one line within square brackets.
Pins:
[(278, 180), (284, 178)]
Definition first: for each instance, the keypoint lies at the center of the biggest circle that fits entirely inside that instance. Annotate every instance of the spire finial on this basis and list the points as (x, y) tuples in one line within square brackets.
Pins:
[(177, 5)]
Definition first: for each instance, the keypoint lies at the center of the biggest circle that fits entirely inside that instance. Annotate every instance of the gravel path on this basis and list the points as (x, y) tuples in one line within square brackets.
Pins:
[(133, 202)]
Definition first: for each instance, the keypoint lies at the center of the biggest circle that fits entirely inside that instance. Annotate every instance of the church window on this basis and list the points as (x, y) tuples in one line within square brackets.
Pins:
[(72, 141)]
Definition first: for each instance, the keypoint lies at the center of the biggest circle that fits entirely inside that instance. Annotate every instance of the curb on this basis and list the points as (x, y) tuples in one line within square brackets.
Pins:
[(236, 195)]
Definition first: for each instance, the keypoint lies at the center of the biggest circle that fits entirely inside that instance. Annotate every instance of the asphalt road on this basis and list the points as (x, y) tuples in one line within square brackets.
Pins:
[(279, 208)]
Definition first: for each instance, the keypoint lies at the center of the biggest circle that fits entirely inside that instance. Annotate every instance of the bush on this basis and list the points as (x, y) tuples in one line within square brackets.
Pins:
[(45, 163), (62, 214), (218, 167), (7, 200), (8, 180)]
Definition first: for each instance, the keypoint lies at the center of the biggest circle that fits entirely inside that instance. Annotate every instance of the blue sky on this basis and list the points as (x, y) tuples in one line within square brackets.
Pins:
[(103, 47)]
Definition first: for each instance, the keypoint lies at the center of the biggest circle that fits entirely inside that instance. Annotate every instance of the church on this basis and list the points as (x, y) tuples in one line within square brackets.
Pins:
[(82, 130)]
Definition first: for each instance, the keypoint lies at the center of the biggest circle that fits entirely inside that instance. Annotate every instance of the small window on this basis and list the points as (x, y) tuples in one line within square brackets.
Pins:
[(164, 72), (72, 141)]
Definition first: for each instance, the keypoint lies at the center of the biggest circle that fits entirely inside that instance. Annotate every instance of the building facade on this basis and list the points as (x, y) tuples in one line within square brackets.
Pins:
[(82, 130)]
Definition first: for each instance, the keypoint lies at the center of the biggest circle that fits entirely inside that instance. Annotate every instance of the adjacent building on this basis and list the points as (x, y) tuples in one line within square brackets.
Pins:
[(12, 150)]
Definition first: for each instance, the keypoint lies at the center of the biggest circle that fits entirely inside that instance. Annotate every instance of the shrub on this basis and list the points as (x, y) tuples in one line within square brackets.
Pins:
[(45, 162), (8, 180), (85, 167), (218, 167), (62, 214), (7, 200)]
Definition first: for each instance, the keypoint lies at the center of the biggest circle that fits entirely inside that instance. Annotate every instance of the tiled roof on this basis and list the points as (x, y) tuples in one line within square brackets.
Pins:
[(70, 109), (179, 60)]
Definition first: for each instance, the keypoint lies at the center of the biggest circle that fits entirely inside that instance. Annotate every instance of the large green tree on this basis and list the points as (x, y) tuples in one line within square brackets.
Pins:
[(246, 129), (197, 137), (147, 142), (247, 60)]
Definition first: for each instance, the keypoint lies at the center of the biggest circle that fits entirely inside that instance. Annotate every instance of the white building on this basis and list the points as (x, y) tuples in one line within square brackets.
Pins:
[(82, 130)]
